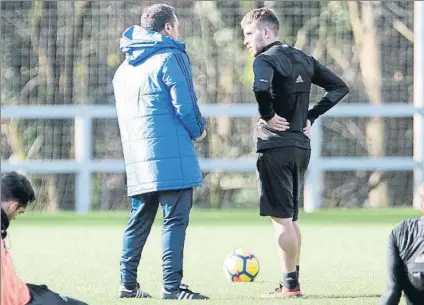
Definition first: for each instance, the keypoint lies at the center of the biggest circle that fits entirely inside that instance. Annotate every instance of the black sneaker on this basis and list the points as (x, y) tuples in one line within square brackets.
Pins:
[(182, 293), (136, 293)]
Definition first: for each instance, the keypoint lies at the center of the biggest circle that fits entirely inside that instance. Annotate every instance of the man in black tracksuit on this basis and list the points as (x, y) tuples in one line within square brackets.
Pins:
[(406, 261), (283, 77)]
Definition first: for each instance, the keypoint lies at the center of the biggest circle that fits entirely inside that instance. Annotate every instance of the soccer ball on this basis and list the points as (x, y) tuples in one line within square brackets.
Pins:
[(241, 266)]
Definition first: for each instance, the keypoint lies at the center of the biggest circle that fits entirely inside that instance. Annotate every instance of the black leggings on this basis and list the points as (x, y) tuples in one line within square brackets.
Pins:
[(42, 295)]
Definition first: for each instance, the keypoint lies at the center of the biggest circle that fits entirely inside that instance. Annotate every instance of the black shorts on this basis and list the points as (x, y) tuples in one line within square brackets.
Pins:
[(42, 295), (281, 172)]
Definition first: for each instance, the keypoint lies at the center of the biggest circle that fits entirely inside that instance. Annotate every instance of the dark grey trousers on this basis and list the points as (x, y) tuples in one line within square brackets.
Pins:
[(176, 206)]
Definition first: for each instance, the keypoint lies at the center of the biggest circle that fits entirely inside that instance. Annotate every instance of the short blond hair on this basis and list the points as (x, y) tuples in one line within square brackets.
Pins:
[(264, 16)]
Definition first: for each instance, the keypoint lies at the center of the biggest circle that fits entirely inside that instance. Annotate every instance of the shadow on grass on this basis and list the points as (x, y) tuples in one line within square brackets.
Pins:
[(341, 296)]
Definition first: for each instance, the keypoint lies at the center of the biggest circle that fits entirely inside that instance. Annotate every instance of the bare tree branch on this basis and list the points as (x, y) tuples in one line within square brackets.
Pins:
[(394, 8), (337, 55), (403, 30), (302, 33), (29, 86)]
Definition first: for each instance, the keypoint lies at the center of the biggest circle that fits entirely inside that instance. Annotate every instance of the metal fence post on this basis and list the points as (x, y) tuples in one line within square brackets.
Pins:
[(83, 156), (313, 181), (418, 97)]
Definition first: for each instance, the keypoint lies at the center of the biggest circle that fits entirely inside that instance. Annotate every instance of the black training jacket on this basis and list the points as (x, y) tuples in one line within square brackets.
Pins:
[(406, 263), (282, 84)]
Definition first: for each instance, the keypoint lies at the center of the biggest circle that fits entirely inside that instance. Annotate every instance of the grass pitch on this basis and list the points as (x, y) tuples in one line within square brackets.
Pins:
[(343, 258)]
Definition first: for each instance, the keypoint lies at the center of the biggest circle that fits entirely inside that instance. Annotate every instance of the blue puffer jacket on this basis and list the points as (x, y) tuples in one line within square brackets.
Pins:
[(157, 113)]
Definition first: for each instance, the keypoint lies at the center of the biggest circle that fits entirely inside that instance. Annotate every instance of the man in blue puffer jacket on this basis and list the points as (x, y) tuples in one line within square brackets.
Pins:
[(159, 121)]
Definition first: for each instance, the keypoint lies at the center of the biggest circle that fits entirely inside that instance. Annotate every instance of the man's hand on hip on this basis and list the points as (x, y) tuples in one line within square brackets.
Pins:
[(307, 129), (201, 137), (276, 123)]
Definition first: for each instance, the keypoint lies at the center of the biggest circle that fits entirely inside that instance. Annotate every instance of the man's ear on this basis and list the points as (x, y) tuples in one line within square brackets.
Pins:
[(14, 206), (266, 32), (167, 27)]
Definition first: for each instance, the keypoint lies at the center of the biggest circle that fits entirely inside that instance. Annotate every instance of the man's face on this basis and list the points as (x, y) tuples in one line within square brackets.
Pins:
[(173, 29), (13, 209), (253, 38)]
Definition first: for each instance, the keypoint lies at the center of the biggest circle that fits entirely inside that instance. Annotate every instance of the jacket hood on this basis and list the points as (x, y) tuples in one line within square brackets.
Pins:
[(139, 44)]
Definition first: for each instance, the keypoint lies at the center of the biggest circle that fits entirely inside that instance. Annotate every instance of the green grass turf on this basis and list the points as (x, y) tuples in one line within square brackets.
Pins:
[(343, 256), (228, 217)]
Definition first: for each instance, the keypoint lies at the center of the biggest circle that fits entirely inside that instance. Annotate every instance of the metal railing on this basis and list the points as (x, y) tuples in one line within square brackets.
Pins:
[(84, 165)]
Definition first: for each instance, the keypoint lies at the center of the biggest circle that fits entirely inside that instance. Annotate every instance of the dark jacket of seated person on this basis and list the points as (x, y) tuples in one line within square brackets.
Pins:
[(406, 261)]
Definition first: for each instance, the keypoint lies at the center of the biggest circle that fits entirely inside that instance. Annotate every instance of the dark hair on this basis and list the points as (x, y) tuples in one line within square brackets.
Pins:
[(16, 187), (264, 16), (155, 17)]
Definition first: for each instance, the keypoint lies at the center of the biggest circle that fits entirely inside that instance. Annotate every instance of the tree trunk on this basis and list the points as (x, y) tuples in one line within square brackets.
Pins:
[(367, 41), (44, 38), (57, 74)]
